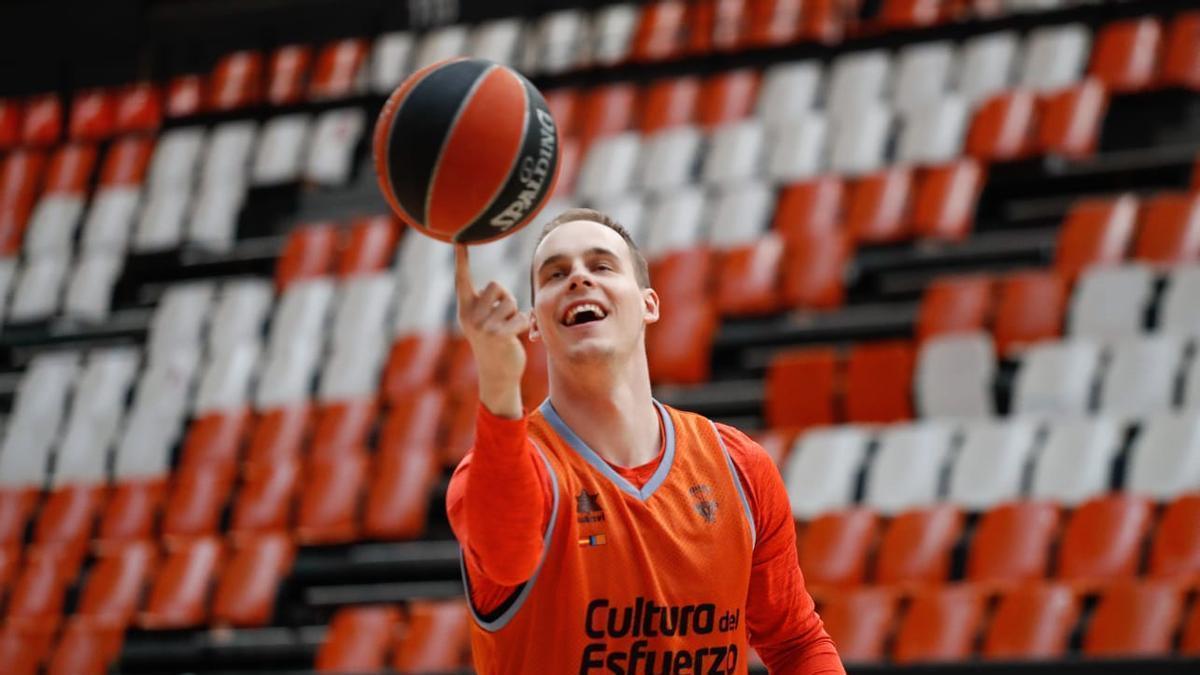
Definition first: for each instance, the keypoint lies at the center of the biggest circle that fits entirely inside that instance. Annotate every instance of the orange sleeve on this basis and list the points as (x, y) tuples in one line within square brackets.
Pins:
[(498, 503), (784, 626)]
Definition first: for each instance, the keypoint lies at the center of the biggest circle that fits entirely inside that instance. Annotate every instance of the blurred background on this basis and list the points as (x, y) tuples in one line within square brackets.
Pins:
[(940, 257)]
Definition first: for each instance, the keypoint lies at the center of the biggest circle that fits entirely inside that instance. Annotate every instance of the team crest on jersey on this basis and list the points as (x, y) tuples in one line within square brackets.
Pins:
[(704, 504), (587, 505)]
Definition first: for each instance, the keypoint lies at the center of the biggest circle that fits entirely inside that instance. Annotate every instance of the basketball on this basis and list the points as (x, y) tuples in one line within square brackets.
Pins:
[(466, 151)]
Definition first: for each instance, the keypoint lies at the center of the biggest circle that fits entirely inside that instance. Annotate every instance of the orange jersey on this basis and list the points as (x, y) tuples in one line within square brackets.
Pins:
[(648, 580)]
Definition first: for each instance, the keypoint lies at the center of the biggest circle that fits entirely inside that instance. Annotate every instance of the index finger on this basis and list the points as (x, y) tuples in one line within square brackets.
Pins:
[(463, 286)]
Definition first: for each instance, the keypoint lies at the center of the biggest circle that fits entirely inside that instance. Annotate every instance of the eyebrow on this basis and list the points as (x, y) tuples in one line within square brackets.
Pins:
[(559, 257)]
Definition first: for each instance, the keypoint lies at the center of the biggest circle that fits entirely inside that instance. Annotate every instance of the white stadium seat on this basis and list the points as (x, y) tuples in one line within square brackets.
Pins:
[(225, 381), (1111, 302), (954, 376), (110, 218), (675, 221), (37, 416), (741, 215), (214, 218), (991, 464), (822, 471), (497, 40), (241, 310), (161, 223), (1056, 378), (857, 80), (155, 421), (425, 305), (1179, 312), (1141, 375), (227, 157), (97, 409), (737, 153), (390, 58), (39, 288), (923, 74), (789, 90), (288, 374), (560, 43), (1075, 462), (797, 150), (1055, 56), (301, 313), (609, 167), (906, 470), (51, 228), (1191, 384), (987, 65), (8, 274), (860, 139), (352, 371), (178, 322), (934, 132), (612, 32), (361, 315), (281, 150), (629, 211), (669, 158), (1165, 459), (440, 44), (335, 139), (176, 157), (90, 289)]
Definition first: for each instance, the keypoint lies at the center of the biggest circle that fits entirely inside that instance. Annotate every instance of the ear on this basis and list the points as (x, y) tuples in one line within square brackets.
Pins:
[(650, 305), (534, 334)]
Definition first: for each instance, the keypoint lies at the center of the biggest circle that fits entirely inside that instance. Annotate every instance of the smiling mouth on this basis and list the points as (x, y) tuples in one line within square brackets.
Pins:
[(583, 313)]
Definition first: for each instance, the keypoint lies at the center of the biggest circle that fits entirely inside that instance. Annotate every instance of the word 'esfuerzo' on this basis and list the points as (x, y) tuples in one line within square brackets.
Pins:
[(650, 622)]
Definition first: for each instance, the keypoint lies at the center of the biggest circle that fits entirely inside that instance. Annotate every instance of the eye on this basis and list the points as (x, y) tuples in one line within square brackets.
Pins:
[(604, 266), (557, 274)]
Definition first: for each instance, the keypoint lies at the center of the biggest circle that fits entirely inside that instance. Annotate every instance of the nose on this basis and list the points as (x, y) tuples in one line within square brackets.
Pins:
[(580, 277)]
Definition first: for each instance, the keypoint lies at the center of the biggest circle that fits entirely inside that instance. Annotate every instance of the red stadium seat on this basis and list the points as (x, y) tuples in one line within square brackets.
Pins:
[(185, 96), (916, 546), (777, 443), (358, 640), (198, 496), (16, 507), (810, 207), (1169, 229), (126, 162), (879, 382), (1012, 543), (607, 109), (43, 123), (570, 154), (179, 595), (308, 253), (342, 426), (70, 169), (669, 103), (1003, 127), (413, 364), (1175, 553), (288, 73), (14, 216), (36, 599), (369, 249), (458, 428), (680, 344), (434, 638), (773, 22), (398, 494), (945, 200), (22, 649), (1125, 57), (661, 32), (216, 438), (878, 207), (93, 115), (236, 81), (903, 14), (1103, 540), (1095, 232), (21, 175), (683, 276), (10, 123), (1190, 643), (940, 625), (85, 649), (337, 70), (278, 433), (1030, 309), (413, 421), (1033, 621), (131, 511), (1071, 119), (69, 514), (139, 109), (727, 97), (116, 582), (461, 372), (800, 389), (954, 305), (835, 547), (10, 562), (824, 20), (264, 501), (748, 282), (1181, 57), (731, 20), (564, 106), (328, 509), (859, 622), (814, 270), (1134, 619), (245, 596)]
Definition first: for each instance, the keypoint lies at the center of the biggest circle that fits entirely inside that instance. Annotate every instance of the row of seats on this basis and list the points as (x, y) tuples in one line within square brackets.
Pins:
[(1034, 622), (980, 464), (424, 637)]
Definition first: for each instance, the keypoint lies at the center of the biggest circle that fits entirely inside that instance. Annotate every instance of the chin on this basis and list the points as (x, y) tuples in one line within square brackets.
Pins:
[(589, 350)]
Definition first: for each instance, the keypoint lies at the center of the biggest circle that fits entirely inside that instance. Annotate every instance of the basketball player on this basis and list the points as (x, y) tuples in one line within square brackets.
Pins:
[(604, 532)]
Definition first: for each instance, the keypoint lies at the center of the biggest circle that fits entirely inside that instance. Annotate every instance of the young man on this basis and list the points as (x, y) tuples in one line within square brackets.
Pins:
[(605, 532)]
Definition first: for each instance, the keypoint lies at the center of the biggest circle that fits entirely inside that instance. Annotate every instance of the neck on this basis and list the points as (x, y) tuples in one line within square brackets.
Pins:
[(610, 407)]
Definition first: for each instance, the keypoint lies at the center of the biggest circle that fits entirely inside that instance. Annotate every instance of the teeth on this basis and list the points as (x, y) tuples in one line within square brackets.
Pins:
[(587, 306)]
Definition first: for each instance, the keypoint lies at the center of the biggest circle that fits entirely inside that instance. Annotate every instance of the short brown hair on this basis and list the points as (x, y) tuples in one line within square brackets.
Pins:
[(640, 269)]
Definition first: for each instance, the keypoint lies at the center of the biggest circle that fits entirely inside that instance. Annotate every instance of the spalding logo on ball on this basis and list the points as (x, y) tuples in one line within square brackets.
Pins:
[(466, 151)]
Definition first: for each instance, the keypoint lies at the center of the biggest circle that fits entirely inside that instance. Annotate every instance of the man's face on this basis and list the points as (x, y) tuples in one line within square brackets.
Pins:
[(587, 302)]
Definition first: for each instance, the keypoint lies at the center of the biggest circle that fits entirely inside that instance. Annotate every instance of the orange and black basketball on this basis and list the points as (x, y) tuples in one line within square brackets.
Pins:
[(466, 151)]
